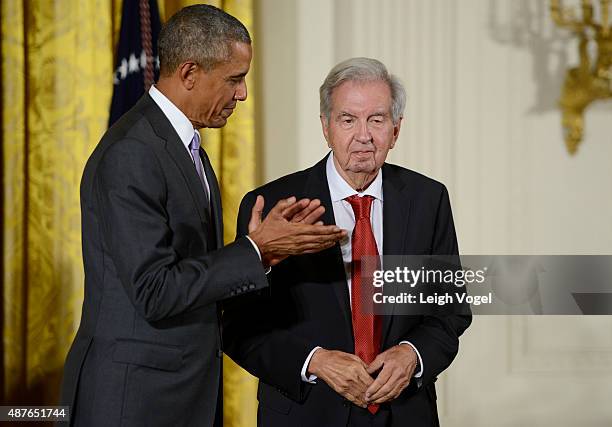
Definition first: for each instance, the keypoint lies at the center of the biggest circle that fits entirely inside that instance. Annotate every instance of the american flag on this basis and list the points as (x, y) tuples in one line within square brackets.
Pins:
[(137, 63)]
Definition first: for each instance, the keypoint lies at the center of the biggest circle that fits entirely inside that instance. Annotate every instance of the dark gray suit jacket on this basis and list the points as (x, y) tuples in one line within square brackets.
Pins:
[(270, 333), (148, 349)]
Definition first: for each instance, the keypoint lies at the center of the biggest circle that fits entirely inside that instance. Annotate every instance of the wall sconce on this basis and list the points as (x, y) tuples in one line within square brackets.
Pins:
[(590, 80)]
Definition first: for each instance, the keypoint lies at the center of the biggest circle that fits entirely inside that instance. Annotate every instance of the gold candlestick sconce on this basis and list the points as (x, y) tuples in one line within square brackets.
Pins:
[(591, 80)]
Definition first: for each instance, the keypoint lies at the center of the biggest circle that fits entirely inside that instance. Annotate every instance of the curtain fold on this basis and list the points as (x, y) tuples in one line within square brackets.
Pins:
[(55, 90), (57, 65)]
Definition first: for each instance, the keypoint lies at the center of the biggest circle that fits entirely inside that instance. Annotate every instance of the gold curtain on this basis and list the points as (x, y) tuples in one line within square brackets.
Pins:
[(56, 85), (57, 64)]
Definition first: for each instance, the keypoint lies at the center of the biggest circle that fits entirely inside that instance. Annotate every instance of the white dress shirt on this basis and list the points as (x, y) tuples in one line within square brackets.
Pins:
[(344, 216), (181, 124), (185, 131)]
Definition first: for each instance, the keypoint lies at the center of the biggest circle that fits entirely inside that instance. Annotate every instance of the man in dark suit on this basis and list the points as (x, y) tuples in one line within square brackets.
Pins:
[(322, 360), (148, 350)]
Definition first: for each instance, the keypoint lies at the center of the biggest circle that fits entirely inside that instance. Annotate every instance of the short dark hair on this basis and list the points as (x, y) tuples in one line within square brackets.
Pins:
[(200, 33)]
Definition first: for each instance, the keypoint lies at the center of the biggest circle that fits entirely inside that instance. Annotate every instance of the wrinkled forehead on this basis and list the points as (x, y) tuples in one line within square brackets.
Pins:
[(362, 97)]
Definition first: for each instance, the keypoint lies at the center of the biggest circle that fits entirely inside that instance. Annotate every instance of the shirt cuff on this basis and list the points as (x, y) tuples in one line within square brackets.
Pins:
[(420, 373), (312, 378), (258, 253), (255, 246)]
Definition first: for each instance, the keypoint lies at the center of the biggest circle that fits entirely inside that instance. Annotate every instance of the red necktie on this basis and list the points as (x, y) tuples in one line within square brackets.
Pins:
[(366, 325)]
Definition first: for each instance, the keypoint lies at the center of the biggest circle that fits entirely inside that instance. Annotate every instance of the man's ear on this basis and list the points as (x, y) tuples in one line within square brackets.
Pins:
[(396, 131), (186, 72), (325, 127)]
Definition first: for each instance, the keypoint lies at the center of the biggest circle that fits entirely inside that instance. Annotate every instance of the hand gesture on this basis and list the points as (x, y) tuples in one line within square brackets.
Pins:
[(343, 372), (291, 228), (397, 365)]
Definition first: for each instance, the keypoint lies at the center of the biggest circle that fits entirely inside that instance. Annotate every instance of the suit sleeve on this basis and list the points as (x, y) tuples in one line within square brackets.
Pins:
[(256, 330), (131, 192), (437, 337)]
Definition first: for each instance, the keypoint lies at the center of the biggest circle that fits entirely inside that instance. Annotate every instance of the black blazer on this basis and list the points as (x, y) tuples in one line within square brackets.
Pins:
[(148, 349), (271, 333)]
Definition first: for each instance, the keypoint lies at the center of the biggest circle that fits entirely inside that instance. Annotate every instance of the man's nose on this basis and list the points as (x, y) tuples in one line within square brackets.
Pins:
[(363, 132), (241, 91)]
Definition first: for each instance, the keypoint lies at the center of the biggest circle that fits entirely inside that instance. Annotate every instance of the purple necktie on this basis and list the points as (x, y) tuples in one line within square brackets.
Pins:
[(194, 147)]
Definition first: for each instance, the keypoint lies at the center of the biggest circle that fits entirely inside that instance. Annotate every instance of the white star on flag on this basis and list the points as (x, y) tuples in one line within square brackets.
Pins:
[(143, 60), (123, 69), (133, 64)]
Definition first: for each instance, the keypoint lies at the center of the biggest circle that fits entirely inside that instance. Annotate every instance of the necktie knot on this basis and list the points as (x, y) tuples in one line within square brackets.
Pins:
[(194, 145), (361, 206)]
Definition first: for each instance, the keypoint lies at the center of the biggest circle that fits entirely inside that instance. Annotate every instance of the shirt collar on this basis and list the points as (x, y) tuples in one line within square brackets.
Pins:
[(339, 189), (177, 118)]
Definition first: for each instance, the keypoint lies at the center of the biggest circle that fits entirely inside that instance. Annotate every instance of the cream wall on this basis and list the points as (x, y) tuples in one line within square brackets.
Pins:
[(483, 78)]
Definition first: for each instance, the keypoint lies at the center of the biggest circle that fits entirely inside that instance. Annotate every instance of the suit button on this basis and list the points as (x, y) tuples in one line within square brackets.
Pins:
[(345, 403), (252, 286), (219, 353)]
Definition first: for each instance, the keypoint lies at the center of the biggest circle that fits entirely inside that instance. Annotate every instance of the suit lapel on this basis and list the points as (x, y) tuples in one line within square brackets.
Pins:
[(215, 199), (396, 212), (180, 156), (330, 259)]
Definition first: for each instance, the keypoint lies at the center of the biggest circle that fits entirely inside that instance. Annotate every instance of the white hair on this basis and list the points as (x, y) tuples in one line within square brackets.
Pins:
[(362, 70)]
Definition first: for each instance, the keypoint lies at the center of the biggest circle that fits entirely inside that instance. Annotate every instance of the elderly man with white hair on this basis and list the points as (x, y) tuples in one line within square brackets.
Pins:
[(321, 357)]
